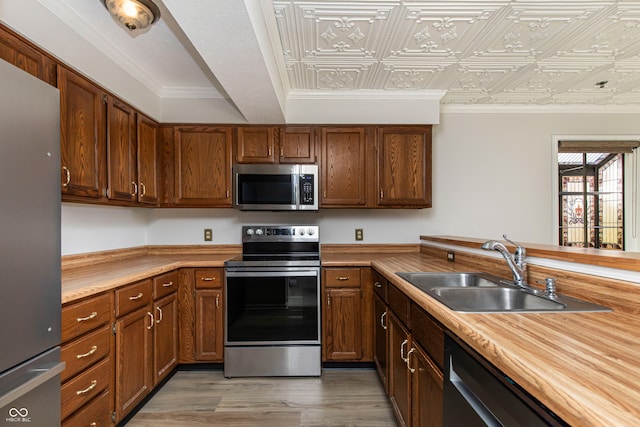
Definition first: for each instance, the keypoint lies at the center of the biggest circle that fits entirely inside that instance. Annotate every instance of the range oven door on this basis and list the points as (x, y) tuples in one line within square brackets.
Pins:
[(266, 307)]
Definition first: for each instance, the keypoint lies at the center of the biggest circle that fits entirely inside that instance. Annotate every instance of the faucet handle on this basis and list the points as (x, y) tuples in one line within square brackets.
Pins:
[(520, 251)]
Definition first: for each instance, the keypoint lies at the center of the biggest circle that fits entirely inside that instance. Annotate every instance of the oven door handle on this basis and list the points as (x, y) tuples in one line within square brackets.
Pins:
[(306, 273)]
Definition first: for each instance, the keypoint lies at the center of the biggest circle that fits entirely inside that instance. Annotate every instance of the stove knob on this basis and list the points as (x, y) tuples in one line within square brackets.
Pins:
[(258, 231), (301, 231), (311, 232), (249, 231)]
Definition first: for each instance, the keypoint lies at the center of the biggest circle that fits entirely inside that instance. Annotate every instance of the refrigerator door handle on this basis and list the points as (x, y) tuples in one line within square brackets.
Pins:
[(45, 374)]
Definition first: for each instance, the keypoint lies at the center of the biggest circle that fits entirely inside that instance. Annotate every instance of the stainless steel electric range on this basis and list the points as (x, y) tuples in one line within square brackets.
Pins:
[(272, 295)]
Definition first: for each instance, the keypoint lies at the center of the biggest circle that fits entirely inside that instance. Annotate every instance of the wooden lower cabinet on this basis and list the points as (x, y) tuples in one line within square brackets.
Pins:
[(133, 360), (347, 315), (409, 356), (399, 374), (426, 389), (165, 337), (209, 332), (86, 351)]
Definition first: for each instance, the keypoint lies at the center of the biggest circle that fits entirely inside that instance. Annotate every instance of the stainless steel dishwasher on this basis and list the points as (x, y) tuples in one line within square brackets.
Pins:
[(478, 394)]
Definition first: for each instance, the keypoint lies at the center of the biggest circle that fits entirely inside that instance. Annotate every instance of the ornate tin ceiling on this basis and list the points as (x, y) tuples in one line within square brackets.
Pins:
[(481, 52)]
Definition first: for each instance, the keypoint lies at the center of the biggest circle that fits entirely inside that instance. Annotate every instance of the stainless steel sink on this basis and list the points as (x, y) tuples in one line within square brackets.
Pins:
[(485, 293), (426, 281), (494, 299)]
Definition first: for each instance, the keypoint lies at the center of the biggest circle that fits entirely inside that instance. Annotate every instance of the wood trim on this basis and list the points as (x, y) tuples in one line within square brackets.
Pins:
[(99, 257), (596, 257), (377, 248), (194, 250)]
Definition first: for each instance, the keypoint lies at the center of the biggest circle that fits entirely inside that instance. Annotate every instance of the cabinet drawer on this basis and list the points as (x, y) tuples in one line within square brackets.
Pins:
[(165, 284), (95, 413), (84, 352), (132, 297), (428, 333), (380, 285), (209, 278), (342, 277), (81, 317), (84, 387), (399, 304)]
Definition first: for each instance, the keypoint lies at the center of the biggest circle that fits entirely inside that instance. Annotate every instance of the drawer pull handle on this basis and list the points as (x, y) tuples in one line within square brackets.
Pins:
[(404, 359), (67, 176), (412, 370), (383, 316), (93, 385), (89, 317), (166, 285), (93, 424), (377, 285), (88, 353), (343, 278), (135, 297), (208, 279)]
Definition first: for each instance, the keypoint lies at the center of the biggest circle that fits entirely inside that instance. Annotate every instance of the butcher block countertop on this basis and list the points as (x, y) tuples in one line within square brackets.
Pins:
[(585, 367)]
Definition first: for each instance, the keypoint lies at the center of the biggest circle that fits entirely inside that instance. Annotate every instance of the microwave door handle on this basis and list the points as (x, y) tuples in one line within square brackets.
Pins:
[(296, 189)]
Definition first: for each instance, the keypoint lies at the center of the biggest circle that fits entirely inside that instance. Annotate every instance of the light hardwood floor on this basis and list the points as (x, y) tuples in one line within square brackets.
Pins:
[(340, 397)]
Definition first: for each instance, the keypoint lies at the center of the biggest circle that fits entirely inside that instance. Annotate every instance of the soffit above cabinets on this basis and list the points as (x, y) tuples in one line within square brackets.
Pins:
[(271, 60)]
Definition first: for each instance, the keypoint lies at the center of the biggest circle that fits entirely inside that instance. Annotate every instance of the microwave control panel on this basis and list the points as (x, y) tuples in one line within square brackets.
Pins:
[(306, 189)]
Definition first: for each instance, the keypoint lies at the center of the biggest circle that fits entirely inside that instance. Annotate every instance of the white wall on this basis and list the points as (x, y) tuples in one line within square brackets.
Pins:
[(492, 174)]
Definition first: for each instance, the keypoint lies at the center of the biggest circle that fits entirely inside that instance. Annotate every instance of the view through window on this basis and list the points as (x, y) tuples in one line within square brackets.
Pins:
[(591, 193)]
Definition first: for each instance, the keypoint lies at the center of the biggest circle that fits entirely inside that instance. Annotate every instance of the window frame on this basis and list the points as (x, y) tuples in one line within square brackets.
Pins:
[(632, 184)]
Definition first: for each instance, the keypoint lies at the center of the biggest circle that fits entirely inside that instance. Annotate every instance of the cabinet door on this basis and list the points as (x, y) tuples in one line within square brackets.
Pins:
[(165, 337), (209, 332), (20, 53), (343, 169), (122, 176), (399, 375), (256, 144), (297, 145), (148, 160), (342, 331), (426, 390), (202, 166), (380, 339), (404, 166), (133, 360), (82, 136)]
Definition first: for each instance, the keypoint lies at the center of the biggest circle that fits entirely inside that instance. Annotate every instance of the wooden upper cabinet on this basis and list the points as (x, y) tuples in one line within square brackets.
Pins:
[(343, 167), (273, 144), (297, 145), (82, 136), (256, 144), (148, 160), (23, 55), (404, 166), (121, 151), (202, 166)]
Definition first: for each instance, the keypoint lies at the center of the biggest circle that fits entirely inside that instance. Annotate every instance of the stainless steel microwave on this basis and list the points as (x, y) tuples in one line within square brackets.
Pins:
[(275, 187)]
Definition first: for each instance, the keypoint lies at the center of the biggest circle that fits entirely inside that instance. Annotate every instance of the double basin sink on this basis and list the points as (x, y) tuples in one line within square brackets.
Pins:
[(485, 293)]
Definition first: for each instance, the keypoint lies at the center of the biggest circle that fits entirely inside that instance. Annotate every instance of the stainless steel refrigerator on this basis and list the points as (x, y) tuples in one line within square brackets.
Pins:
[(30, 305)]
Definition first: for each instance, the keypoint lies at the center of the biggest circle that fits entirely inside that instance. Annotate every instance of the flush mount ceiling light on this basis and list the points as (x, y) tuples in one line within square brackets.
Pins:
[(133, 14)]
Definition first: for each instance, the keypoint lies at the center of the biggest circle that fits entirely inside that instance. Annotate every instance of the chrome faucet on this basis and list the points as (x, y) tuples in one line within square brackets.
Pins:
[(516, 262)]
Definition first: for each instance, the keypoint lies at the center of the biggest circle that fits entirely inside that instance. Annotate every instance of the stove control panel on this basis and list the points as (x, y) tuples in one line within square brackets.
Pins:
[(280, 232)]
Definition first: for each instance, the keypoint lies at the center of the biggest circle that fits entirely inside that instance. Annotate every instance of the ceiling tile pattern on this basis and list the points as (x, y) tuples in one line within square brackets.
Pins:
[(481, 52)]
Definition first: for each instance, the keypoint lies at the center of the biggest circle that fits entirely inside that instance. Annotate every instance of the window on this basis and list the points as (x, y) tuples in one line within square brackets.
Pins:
[(591, 193)]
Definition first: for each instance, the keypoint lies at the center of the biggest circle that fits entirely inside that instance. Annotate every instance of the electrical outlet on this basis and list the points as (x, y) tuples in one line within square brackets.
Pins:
[(208, 234), (451, 256), (359, 234)]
